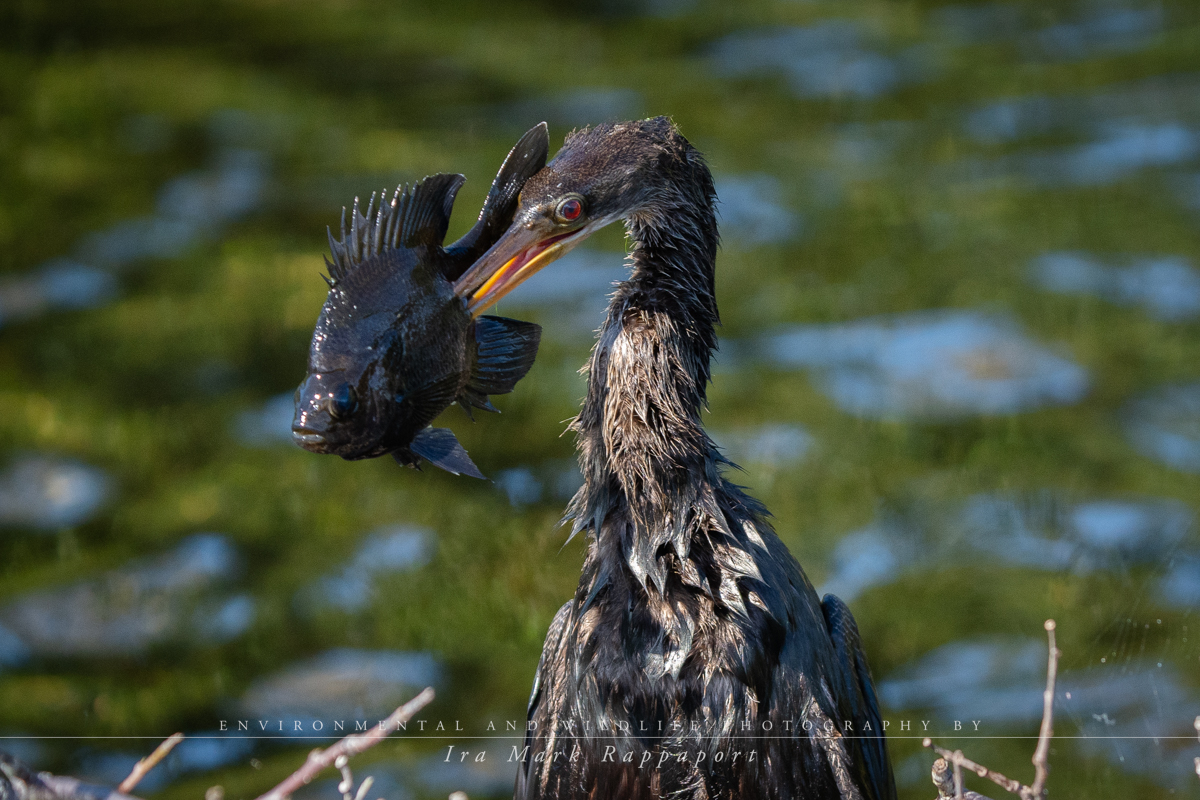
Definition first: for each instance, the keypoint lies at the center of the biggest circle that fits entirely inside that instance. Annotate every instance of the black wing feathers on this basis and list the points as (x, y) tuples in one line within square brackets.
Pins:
[(855, 686), (552, 652)]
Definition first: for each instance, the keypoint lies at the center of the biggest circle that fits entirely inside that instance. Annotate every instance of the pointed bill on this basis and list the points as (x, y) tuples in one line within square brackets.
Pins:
[(519, 254)]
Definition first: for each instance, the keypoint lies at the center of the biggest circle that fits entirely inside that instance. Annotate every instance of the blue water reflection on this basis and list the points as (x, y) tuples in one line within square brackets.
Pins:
[(828, 59), (269, 424), (521, 486), (1164, 424), (176, 596), (190, 209), (1095, 28), (575, 108), (932, 365), (981, 22), (1038, 531), (752, 211), (1122, 149), (48, 493), (1161, 100), (571, 297), (1167, 286), (387, 550), (1101, 28), (13, 651), (775, 445), (343, 684), (62, 283), (555, 479)]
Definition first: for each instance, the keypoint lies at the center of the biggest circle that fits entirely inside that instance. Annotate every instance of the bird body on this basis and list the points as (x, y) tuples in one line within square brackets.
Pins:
[(695, 659)]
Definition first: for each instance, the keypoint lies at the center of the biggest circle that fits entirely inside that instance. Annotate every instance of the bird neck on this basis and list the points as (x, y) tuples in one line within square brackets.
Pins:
[(650, 470)]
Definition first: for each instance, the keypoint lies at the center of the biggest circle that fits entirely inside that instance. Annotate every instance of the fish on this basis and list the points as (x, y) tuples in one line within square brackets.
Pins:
[(394, 344)]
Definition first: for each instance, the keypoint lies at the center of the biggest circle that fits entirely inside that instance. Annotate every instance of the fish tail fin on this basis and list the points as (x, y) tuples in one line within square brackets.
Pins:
[(506, 350), (441, 448), (527, 157)]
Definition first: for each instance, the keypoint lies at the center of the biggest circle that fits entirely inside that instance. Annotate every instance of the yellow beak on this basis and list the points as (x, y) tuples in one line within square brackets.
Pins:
[(519, 254)]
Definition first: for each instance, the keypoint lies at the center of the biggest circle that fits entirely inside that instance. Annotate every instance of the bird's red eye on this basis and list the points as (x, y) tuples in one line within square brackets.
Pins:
[(570, 209)]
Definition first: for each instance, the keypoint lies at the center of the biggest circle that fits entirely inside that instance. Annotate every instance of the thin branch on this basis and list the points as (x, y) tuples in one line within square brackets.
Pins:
[(148, 763), (956, 758), (352, 745), (943, 779), (1040, 767), (951, 785), (20, 782)]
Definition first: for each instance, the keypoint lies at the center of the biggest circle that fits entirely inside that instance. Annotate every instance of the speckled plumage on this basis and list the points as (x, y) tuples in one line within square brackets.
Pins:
[(690, 611)]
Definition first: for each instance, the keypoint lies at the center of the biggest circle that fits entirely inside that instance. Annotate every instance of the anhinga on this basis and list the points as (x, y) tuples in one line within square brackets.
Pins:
[(694, 636)]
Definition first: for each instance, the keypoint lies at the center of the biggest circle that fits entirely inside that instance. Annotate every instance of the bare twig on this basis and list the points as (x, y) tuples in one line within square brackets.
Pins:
[(148, 763), (1040, 767), (943, 779), (20, 782), (352, 745), (951, 785)]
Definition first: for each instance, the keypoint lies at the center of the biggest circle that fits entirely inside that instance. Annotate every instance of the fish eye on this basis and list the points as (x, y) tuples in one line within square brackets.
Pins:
[(343, 402), (570, 208)]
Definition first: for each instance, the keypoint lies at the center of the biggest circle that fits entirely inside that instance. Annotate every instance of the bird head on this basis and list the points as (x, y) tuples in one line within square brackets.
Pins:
[(601, 174)]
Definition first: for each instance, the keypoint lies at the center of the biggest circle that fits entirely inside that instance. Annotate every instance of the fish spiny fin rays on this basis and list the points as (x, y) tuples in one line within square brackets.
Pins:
[(417, 215), (527, 157), (440, 447)]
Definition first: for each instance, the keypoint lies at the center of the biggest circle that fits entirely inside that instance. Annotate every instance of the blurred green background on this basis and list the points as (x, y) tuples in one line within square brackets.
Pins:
[(959, 363)]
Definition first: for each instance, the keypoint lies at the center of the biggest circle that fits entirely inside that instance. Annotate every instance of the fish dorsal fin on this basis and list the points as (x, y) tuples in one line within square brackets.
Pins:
[(506, 350), (440, 447), (417, 215), (527, 157)]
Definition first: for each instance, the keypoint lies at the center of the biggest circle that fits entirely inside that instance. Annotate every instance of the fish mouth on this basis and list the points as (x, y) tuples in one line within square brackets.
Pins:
[(309, 440), (519, 254)]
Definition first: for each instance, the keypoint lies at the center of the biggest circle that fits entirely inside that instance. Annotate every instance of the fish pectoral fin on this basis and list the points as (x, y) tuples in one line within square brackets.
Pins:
[(433, 398), (440, 447), (527, 157), (507, 348), (423, 210)]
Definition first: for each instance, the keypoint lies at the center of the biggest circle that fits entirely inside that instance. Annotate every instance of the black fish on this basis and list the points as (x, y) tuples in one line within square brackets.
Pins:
[(395, 345)]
